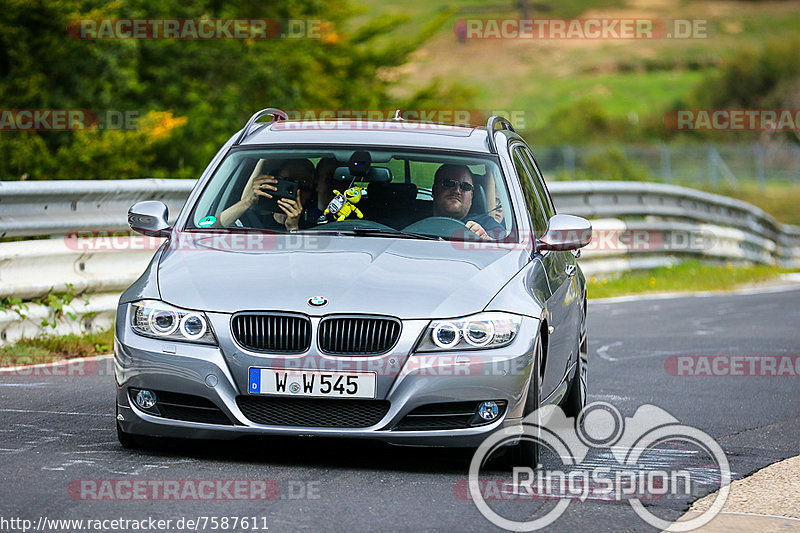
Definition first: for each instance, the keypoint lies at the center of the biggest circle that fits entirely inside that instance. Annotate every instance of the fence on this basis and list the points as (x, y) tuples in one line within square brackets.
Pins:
[(637, 225), (709, 165)]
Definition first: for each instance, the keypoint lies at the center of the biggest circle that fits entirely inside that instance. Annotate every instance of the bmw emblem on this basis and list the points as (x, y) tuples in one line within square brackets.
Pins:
[(317, 301)]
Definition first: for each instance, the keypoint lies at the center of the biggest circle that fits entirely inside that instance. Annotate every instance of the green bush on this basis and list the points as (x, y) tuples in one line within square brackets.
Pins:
[(612, 164), (211, 87), (768, 78), (755, 78)]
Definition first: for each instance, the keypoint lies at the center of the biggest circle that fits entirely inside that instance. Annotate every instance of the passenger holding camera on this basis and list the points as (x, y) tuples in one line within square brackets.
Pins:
[(260, 185)]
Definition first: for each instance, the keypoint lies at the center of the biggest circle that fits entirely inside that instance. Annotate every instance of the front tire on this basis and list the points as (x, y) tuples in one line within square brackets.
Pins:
[(526, 451), (575, 400), (128, 441)]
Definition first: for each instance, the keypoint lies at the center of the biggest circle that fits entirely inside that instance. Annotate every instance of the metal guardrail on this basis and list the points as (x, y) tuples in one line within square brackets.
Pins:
[(664, 215), (731, 230), (30, 208), (625, 199)]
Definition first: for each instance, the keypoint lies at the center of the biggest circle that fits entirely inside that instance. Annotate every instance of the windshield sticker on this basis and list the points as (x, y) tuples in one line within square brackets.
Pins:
[(207, 221)]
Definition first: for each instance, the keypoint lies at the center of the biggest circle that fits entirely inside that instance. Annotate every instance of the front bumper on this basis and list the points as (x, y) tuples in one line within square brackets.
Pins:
[(218, 374)]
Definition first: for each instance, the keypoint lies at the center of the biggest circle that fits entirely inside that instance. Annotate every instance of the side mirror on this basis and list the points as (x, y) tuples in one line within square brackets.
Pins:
[(149, 218), (566, 232)]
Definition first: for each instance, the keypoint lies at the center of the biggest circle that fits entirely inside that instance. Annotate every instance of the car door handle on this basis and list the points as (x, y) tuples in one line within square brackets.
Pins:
[(571, 269)]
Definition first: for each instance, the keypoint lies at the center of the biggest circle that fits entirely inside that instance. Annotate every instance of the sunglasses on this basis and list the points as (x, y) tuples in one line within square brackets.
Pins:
[(463, 185)]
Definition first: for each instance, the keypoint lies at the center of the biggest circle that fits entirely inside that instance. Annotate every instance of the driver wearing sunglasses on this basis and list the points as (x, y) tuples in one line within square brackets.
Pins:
[(453, 191)]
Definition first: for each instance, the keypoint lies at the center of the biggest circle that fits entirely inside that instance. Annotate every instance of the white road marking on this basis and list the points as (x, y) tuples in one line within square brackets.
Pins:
[(60, 362), (52, 412), (603, 351), (71, 462), (759, 514)]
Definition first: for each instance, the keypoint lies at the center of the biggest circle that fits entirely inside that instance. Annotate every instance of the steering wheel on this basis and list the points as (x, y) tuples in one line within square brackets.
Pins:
[(443, 226)]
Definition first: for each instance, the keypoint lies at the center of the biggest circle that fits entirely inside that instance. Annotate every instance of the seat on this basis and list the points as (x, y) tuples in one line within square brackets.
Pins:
[(479, 204), (392, 204)]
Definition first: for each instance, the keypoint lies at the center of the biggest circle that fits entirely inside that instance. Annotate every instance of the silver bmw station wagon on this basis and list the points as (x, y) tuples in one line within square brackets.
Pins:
[(403, 281)]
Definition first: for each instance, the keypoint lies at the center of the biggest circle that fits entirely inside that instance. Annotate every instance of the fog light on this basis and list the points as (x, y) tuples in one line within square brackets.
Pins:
[(146, 399), (488, 411)]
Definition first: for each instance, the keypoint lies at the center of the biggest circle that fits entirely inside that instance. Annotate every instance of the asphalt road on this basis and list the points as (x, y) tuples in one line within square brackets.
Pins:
[(57, 431)]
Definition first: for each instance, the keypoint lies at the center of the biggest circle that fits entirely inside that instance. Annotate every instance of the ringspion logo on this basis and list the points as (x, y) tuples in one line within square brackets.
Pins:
[(629, 477)]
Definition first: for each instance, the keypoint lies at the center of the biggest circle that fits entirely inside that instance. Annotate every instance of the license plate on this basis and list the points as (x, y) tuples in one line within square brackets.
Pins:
[(312, 383)]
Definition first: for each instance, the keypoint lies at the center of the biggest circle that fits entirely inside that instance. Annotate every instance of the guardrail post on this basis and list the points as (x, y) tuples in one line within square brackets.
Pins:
[(666, 162), (713, 174), (569, 161), (759, 153), (797, 157)]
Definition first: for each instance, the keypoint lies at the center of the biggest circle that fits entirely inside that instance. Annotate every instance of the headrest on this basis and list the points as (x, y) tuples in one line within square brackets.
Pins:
[(382, 192), (478, 200)]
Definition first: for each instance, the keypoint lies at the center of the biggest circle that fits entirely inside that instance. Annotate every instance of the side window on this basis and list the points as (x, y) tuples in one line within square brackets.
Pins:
[(531, 198), (538, 182)]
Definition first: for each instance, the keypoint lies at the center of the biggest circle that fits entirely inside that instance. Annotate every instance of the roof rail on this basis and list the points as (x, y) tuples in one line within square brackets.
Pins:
[(276, 114), (490, 124)]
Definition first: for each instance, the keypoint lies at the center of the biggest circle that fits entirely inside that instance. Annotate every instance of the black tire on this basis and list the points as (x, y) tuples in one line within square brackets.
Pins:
[(526, 451), (575, 400), (127, 440)]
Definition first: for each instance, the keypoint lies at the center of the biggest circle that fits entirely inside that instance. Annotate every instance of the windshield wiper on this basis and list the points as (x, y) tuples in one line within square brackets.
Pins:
[(389, 232), (372, 232), (240, 229)]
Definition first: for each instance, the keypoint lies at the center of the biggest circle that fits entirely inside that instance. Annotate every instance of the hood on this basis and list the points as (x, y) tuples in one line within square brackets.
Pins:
[(399, 277)]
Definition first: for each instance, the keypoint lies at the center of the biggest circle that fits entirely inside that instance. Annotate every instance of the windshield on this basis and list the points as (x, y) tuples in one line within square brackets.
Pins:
[(376, 192)]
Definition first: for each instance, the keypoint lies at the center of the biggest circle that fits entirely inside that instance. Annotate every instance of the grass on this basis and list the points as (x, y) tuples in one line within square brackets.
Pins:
[(688, 276), (651, 90), (47, 348), (538, 77)]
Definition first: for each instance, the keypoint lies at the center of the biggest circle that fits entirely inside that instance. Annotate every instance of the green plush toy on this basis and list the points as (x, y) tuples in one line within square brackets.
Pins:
[(343, 205)]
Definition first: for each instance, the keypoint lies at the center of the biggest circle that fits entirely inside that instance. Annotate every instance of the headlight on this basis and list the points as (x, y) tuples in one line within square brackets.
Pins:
[(484, 330), (153, 318)]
